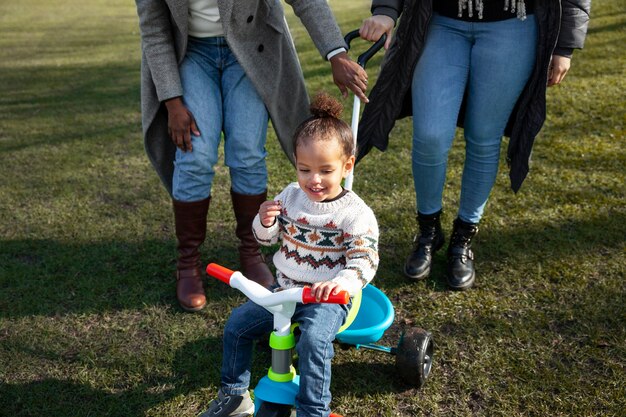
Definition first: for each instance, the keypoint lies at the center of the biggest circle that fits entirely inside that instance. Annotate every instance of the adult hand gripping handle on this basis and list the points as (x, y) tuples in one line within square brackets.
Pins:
[(302, 295), (365, 56)]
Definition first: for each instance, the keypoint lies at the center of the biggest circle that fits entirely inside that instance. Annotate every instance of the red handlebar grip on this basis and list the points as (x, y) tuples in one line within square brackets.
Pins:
[(219, 272), (342, 298)]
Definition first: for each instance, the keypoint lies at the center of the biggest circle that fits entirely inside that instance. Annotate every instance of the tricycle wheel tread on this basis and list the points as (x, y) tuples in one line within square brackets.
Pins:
[(414, 356)]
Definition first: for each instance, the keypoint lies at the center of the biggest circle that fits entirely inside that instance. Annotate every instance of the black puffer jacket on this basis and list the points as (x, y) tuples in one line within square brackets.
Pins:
[(561, 24)]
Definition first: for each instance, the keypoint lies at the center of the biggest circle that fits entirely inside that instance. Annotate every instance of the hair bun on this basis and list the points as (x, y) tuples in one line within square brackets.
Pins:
[(325, 105)]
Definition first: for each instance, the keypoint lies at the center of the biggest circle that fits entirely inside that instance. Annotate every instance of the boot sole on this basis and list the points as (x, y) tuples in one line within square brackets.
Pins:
[(192, 309), (465, 286), (419, 277)]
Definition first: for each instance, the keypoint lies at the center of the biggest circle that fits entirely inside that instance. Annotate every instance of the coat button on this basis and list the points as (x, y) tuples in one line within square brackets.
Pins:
[(250, 18), (260, 48)]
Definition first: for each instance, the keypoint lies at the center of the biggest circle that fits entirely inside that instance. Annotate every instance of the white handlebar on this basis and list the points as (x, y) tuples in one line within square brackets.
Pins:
[(261, 295)]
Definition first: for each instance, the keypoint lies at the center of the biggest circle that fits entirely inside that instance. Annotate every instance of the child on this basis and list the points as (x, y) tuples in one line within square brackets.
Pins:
[(329, 241)]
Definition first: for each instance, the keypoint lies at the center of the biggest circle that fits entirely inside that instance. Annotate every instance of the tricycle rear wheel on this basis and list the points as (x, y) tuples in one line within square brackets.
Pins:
[(414, 356)]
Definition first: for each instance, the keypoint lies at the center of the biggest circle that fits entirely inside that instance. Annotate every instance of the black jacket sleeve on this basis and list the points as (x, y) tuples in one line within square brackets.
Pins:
[(574, 23), (391, 8)]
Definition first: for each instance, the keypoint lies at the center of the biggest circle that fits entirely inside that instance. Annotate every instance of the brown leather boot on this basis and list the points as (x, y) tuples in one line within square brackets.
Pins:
[(251, 259), (190, 220)]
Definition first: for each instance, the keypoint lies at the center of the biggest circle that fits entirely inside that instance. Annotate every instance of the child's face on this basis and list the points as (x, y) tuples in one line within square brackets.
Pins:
[(321, 166)]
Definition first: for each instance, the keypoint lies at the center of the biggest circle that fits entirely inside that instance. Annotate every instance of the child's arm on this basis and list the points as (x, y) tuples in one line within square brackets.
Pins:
[(265, 224), (268, 211), (266, 235), (361, 242)]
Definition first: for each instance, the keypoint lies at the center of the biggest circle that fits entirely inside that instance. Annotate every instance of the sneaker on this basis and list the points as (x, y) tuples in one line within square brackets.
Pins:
[(230, 406)]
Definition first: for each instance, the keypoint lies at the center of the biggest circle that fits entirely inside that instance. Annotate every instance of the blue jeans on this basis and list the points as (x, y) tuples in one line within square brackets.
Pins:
[(222, 99), (319, 324), (492, 61)]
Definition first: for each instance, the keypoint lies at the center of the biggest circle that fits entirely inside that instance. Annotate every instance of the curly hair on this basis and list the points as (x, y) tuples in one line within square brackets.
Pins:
[(325, 124)]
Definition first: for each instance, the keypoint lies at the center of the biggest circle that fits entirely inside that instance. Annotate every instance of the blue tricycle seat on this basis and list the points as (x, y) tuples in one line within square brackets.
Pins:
[(374, 316)]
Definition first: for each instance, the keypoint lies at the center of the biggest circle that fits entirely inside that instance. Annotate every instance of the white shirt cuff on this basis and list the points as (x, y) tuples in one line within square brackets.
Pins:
[(335, 52)]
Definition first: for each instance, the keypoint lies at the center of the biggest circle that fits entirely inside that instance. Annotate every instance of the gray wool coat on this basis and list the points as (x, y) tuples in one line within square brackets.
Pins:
[(257, 34)]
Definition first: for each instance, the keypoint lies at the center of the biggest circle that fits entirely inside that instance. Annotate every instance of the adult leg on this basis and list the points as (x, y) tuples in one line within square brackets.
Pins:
[(438, 85), (319, 324), (502, 59), (193, 170), (245, 131)]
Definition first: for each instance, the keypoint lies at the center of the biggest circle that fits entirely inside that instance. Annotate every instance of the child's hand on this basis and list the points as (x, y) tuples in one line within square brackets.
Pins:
[(322, 290), (268, 212)]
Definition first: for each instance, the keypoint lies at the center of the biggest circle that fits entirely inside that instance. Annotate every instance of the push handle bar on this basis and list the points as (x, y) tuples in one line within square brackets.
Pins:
[(262, 296), (365, 56)]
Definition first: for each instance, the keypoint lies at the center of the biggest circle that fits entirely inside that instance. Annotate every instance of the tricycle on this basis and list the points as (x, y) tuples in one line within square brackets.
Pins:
[(371, 314)]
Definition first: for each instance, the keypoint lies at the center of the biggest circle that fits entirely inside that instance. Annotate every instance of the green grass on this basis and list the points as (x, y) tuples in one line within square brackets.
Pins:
[(89, 324)]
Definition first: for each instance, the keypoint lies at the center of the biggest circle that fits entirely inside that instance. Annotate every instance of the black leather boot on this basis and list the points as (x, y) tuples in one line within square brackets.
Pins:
[(426, 243), (460, 271)]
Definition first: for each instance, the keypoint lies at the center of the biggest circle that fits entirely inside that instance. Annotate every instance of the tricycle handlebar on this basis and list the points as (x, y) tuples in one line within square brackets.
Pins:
[(220, 272), (265, 297), (342, 297)]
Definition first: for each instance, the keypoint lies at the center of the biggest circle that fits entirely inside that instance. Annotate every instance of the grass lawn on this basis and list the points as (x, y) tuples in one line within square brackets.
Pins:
[(89, 323)]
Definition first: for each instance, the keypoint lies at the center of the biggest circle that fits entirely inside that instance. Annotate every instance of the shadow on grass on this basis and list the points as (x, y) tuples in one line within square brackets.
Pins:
[(46, 139), (47, 277), (499, 248), (194, 367), (568, 340), (55, 104), (365, 378), (556, 240), (614, 27)]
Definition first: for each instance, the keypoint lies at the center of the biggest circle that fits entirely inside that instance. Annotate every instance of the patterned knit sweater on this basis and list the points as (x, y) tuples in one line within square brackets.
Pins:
[(322, 241)]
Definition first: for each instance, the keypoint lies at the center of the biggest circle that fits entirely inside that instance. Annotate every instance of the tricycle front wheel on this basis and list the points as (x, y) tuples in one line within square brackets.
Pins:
[(414, 356)]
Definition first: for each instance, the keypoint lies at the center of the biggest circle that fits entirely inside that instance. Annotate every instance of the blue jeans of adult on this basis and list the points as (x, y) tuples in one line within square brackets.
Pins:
[(222, 100), (319, 324), (491, 63)]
